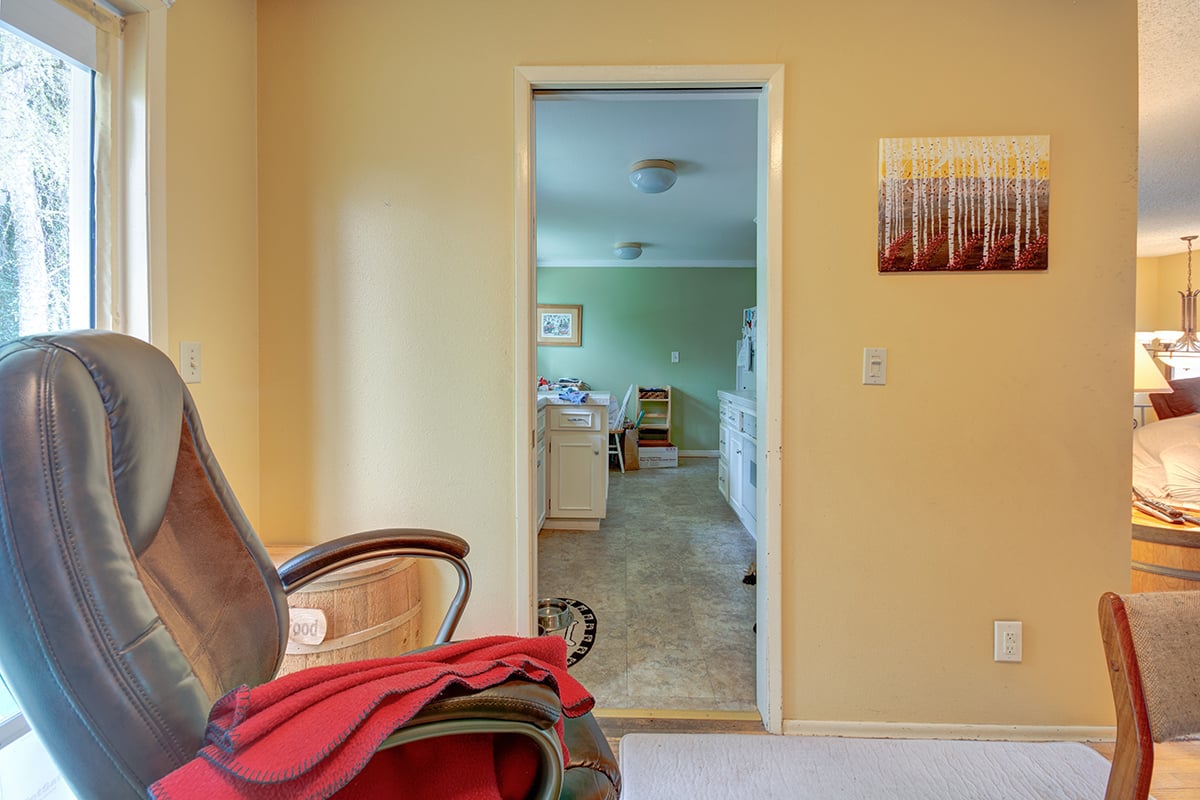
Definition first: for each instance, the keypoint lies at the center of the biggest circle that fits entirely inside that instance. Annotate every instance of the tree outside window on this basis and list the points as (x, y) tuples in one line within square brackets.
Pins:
[(45, 190)]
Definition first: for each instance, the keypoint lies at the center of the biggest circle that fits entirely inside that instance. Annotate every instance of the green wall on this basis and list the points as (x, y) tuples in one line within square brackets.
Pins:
[(633, 317)]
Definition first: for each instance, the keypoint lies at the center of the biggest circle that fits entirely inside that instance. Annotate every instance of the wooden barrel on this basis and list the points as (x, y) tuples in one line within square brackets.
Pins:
[(1165, 557), (371, 610)]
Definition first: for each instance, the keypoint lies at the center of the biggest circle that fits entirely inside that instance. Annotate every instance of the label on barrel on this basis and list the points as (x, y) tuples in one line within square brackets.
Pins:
[(307, 625)]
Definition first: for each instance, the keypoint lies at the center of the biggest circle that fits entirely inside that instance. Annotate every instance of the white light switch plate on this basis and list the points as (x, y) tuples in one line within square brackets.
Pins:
[(874, 366)]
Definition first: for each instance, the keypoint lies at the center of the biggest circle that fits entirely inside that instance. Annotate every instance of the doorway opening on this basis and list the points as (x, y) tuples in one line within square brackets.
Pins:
[(765, 82)]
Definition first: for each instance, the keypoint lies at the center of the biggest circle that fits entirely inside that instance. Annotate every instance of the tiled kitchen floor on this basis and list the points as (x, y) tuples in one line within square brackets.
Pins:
[(664, 576)]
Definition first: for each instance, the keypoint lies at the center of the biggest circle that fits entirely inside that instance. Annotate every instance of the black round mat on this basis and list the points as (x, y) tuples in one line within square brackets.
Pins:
[(580, 632)]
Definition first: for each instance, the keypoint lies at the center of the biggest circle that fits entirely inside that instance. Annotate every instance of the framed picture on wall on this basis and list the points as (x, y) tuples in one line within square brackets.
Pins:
[(559, 325), (964, 204)]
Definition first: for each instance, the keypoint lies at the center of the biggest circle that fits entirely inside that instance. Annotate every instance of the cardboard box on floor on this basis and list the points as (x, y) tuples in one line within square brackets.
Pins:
[(657, 454), (631, 449)]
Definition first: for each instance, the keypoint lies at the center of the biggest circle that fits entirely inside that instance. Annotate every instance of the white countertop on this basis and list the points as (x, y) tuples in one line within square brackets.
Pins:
[(745, 395), (593, 399)]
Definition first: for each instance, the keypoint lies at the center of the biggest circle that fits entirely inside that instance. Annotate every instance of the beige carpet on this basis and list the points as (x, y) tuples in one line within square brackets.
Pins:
[(720, 766)]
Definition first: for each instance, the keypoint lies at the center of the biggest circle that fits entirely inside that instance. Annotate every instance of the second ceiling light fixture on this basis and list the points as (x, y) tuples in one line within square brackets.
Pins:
[(651, 176)]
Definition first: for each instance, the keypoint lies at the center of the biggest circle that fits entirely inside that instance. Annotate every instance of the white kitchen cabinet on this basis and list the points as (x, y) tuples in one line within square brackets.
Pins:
[(577, 481), (737, 472), (724, 435), (747, 478), (542, 499)]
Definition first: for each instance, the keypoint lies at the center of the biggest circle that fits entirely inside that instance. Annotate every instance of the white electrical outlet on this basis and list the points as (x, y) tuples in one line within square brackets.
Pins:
[(674, 356), (189, 361), (1007, 640)]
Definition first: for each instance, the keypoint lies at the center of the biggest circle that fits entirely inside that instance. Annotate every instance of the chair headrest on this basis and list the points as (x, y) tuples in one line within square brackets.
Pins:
[(142, 397)]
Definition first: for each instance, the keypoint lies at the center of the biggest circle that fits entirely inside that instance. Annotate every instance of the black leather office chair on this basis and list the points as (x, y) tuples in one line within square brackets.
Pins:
[(135, 592)]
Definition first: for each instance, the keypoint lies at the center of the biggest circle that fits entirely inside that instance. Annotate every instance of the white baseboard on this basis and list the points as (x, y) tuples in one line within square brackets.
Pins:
[(925, 730), (699, 453)]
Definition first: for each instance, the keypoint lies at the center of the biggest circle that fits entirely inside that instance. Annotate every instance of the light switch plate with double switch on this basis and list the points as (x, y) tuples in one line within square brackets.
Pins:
[(874, 366)]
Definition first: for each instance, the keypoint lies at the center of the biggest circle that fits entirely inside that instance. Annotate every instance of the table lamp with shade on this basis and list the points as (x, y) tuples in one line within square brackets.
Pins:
[(1147, 377)]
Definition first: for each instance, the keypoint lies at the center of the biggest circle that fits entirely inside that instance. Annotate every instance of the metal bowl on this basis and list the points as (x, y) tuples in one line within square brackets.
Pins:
[(553, 615)]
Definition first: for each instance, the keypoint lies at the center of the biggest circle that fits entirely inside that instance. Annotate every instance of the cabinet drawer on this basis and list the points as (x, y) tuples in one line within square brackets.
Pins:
[(574, 418), (730, 416)]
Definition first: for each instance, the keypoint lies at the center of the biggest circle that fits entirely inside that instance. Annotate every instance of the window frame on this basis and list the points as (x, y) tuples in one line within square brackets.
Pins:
[(13, 728)]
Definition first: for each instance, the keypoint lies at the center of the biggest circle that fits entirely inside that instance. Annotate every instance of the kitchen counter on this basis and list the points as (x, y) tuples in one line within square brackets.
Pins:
[(737, 471), (576, 463), (594, 399), (746, 396)]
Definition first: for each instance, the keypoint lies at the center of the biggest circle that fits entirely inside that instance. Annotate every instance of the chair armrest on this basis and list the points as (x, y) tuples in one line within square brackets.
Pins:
[(515, 707), (356, 548), (515, 700)]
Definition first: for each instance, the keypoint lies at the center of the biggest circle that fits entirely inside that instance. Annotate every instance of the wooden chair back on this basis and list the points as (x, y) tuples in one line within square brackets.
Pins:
[(1152, 646)]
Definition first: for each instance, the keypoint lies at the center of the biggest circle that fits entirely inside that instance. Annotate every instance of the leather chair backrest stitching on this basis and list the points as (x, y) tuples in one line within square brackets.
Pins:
[(103, 495)]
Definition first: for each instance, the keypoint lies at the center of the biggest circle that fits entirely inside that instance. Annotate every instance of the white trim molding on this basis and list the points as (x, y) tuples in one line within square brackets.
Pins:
[(767, 80), (928, 730)]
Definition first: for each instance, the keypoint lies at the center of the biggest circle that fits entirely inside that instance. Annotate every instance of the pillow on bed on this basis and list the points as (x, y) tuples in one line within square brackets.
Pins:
[(1184, 400)]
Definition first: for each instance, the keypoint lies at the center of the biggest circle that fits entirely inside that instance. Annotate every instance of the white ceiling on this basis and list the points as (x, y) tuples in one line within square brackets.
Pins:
[(587, 141)]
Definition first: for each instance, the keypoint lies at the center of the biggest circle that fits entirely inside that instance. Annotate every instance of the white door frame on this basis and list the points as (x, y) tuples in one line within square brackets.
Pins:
[(769, 77)]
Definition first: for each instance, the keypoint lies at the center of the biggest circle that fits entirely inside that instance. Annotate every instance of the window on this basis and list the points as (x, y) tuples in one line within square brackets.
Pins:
[(75, 103), (46, 212), (46, 197)]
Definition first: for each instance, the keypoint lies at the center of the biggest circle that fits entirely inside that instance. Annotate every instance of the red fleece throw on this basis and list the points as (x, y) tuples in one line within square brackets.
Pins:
[(306, 735)]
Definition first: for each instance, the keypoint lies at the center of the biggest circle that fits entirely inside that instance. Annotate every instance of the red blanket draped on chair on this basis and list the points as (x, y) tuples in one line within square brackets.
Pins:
[(308, 734)]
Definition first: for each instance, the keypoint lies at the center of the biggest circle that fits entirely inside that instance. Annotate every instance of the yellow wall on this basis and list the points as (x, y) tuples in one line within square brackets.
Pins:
[(1159, 282), (1147, 315), (973, 487), (212, 230), (964, 491)]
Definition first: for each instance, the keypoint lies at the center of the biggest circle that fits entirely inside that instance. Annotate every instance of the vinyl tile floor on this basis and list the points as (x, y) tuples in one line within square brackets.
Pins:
[(663, 574)]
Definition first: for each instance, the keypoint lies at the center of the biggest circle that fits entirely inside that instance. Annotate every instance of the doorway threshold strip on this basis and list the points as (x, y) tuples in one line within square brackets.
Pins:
[(680, 713)]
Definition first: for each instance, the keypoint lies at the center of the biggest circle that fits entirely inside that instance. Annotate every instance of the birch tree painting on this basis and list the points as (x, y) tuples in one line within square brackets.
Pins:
[(963, 204)]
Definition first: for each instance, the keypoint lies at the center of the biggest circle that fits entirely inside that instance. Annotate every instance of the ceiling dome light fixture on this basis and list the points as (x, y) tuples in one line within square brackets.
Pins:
[(653, 175), (627, 251)]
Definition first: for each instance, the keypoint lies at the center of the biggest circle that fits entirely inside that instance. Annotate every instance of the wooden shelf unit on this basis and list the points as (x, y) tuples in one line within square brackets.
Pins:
[(653, 413)]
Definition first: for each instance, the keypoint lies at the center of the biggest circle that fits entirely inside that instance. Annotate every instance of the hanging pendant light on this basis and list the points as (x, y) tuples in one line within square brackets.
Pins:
[(1188, 343)]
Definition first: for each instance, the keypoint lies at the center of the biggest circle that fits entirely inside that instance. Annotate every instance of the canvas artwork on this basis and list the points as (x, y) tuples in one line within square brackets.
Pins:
[(964, 204)]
